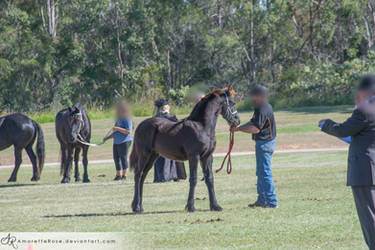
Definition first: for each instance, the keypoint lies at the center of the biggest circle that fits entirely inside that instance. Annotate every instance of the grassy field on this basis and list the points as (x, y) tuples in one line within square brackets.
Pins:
[(296, 128), (316, 210)]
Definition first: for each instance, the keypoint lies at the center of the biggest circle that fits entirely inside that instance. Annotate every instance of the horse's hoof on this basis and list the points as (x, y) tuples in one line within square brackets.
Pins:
[(34, 178), (216, 208), (86, 180), (12, 180), (65, 181), (190, 209), (77, 179), (138, 210)]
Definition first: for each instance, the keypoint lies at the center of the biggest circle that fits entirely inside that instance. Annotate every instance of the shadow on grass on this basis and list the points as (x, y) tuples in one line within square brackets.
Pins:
[(16, 185), (120, 214)]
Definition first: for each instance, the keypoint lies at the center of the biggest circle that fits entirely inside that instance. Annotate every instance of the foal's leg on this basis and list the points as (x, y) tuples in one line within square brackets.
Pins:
[(85, 163), (193, 164), (147, 168), (137, 193), (18, 161), (76, 164), (68, 164), (206, 164), (32, 156)]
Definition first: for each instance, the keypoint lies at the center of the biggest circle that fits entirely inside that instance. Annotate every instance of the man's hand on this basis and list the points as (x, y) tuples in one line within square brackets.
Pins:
[(235, 129)]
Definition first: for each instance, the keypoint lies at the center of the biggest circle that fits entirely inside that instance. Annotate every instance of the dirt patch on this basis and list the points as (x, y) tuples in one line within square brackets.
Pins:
[(318, 199), (200, 199), (199, 221)]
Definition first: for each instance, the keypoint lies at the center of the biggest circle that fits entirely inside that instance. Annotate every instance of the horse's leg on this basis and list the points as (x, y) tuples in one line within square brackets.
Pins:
[(85, 163), (32, 156), (68, 164), (18, 161), (136, 200), (76, 164), (206, 164), (147, 168), (193, 164)]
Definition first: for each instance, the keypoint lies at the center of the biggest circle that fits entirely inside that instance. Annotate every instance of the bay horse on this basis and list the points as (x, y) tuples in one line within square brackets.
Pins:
[(72, 126), (20, 131), (192, 139)]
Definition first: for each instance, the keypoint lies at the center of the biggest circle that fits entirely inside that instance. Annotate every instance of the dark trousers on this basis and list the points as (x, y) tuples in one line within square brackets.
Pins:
[(120, 155), (364, 197)]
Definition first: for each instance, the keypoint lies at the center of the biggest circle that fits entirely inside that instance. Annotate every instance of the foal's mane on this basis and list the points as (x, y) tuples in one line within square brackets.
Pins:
[(200, 107)]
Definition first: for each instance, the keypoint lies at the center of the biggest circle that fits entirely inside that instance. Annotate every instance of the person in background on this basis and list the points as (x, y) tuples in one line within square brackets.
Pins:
[(122, 138), (262, 126), (166, 169), (361, 158)]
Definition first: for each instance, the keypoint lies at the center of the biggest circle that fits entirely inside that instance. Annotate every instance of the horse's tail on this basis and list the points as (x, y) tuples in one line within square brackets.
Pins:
[(133, 158), (40, 147)]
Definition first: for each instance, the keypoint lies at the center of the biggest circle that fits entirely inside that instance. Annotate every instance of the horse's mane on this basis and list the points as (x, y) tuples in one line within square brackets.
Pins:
[(218, 92), (200, 107)]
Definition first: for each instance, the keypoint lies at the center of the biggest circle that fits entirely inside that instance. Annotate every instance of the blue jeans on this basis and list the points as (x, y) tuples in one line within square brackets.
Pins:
[(265, 186)]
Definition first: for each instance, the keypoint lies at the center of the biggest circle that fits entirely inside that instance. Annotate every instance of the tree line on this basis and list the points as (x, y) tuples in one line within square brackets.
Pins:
[(55, 52)]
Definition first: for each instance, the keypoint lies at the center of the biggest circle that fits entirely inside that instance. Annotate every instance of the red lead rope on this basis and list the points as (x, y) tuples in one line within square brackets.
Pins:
[(229, 163)]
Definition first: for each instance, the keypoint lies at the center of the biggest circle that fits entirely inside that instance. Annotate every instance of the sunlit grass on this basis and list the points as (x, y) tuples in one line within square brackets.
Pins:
[(316, 209)]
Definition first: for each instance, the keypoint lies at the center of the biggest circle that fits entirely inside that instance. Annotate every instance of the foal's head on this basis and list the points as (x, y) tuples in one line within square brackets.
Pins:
[(75, 122), (227, 104), (228, 107)]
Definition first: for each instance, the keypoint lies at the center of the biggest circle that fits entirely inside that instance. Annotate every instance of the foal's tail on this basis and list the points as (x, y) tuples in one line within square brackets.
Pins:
[(40, 148)]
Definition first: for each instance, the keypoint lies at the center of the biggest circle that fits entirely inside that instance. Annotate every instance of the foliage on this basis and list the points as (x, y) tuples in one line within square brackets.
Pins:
[(97, 51)]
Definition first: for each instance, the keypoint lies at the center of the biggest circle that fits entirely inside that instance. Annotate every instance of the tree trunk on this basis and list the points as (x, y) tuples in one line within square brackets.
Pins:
[(252, 52)]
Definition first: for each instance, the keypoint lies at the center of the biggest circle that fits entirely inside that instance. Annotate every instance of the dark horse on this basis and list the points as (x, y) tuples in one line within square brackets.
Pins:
[(73, 127), (20, 131), (190, 139)]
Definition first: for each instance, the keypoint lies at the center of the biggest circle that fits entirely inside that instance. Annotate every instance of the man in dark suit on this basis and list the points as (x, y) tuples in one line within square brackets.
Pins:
[(361, 159)]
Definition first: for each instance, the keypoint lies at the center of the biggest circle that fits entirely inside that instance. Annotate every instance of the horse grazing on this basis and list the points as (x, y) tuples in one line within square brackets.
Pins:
[(73, 127), (192, 138), (20, 131)]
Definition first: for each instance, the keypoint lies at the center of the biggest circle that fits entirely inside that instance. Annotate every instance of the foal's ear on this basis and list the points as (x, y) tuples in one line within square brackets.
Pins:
[(231, 90)]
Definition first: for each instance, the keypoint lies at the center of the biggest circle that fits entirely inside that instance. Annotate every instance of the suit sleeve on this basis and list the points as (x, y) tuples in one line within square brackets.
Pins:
[(352, 126)]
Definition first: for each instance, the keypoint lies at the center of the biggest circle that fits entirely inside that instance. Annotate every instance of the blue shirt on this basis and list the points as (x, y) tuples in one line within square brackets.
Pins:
[(118, 137)]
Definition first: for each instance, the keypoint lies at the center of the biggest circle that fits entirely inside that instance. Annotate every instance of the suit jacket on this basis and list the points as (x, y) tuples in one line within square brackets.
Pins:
[(361, 158)]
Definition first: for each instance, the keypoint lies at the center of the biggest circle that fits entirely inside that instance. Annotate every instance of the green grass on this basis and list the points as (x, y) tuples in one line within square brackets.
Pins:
[(316, 208)]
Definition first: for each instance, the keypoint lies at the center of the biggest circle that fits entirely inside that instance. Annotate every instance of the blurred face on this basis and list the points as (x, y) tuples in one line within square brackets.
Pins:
[(166, 108), (362, 96), (257, 100), (121, 110)]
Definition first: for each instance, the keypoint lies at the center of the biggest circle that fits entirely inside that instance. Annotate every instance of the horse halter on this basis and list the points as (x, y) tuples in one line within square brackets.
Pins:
[(78, 117), (231, 110)]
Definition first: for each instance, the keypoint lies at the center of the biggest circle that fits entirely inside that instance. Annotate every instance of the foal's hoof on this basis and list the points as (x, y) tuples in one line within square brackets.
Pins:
[(190, 208), (12, 180), (34, 178), (86, 180), (216, 208), (65, 180), (77, 179), (138, 210)]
